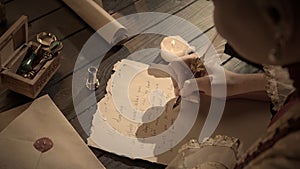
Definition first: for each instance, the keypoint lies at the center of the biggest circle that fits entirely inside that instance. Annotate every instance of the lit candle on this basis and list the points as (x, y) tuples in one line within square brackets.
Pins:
[(173, 42), (173, 47)]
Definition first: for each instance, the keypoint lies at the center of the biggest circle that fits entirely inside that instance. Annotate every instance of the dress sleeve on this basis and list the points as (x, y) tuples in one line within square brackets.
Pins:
[(220, 152), (285, 154)]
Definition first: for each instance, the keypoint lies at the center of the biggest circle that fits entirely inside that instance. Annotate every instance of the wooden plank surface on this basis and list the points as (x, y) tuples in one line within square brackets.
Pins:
[(55, 17), (61, 92), (114, 6), (135, 44), (69, 78), (66, 25), (32, 8)]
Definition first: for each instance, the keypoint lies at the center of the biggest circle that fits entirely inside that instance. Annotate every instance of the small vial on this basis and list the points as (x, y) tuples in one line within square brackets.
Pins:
[(92, 83)]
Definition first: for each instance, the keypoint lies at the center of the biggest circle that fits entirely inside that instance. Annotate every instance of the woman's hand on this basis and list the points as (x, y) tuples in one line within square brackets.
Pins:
[(217, 79), (180, 71)]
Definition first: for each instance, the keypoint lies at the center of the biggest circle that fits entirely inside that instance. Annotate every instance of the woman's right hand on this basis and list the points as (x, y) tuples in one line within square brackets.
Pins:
[(218, 83), (185, 84)]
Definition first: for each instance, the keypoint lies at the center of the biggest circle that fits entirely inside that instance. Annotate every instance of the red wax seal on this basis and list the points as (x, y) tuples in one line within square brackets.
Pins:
[(43, 144)]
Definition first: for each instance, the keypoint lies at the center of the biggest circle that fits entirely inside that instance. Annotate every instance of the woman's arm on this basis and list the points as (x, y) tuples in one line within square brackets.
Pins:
[(250, 86)]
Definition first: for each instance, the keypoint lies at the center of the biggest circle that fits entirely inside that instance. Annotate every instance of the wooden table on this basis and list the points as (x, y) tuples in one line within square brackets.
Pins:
[(55, 17)]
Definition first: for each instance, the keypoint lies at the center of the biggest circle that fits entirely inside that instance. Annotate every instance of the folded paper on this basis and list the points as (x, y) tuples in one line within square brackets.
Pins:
[(37, 136)]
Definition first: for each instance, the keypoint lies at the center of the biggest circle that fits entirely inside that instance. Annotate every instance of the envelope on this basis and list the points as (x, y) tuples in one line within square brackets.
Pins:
[(37, 136)]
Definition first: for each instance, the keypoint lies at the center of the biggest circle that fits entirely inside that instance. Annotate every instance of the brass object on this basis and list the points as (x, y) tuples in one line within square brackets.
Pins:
[(54, 48), (48, 48), (11, 60), (45, 38)]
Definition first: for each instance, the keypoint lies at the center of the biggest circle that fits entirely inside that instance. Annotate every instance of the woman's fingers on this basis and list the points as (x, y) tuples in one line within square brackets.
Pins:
[(180, 69), (185, 83), (201, 84)]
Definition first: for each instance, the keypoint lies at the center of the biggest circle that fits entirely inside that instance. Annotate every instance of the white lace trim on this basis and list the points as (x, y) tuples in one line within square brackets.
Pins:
[(279, 85)]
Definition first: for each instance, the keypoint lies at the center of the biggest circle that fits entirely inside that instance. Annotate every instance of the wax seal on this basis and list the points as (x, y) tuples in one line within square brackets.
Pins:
[(43, 144)]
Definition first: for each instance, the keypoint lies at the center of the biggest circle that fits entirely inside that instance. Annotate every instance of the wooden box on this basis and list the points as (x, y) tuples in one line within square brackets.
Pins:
[(13, 48)]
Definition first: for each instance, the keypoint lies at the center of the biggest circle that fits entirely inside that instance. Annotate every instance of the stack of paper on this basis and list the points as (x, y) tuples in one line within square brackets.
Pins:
[(136, 117)]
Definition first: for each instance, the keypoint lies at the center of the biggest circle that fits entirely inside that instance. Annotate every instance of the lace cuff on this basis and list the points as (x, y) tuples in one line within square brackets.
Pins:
[(219, 152), (279, 85)]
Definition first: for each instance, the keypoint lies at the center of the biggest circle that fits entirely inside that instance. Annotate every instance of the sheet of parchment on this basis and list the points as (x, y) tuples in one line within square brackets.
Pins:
[(136, 117)]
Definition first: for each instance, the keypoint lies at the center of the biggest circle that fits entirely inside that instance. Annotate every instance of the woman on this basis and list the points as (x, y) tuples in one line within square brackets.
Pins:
[(264, 32)]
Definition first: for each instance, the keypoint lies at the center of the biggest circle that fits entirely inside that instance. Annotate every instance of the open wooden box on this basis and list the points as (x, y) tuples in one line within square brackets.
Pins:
[(13, 48)]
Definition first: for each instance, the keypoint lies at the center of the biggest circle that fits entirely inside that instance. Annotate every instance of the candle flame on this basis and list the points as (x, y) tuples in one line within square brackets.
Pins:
[(173, 43)]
